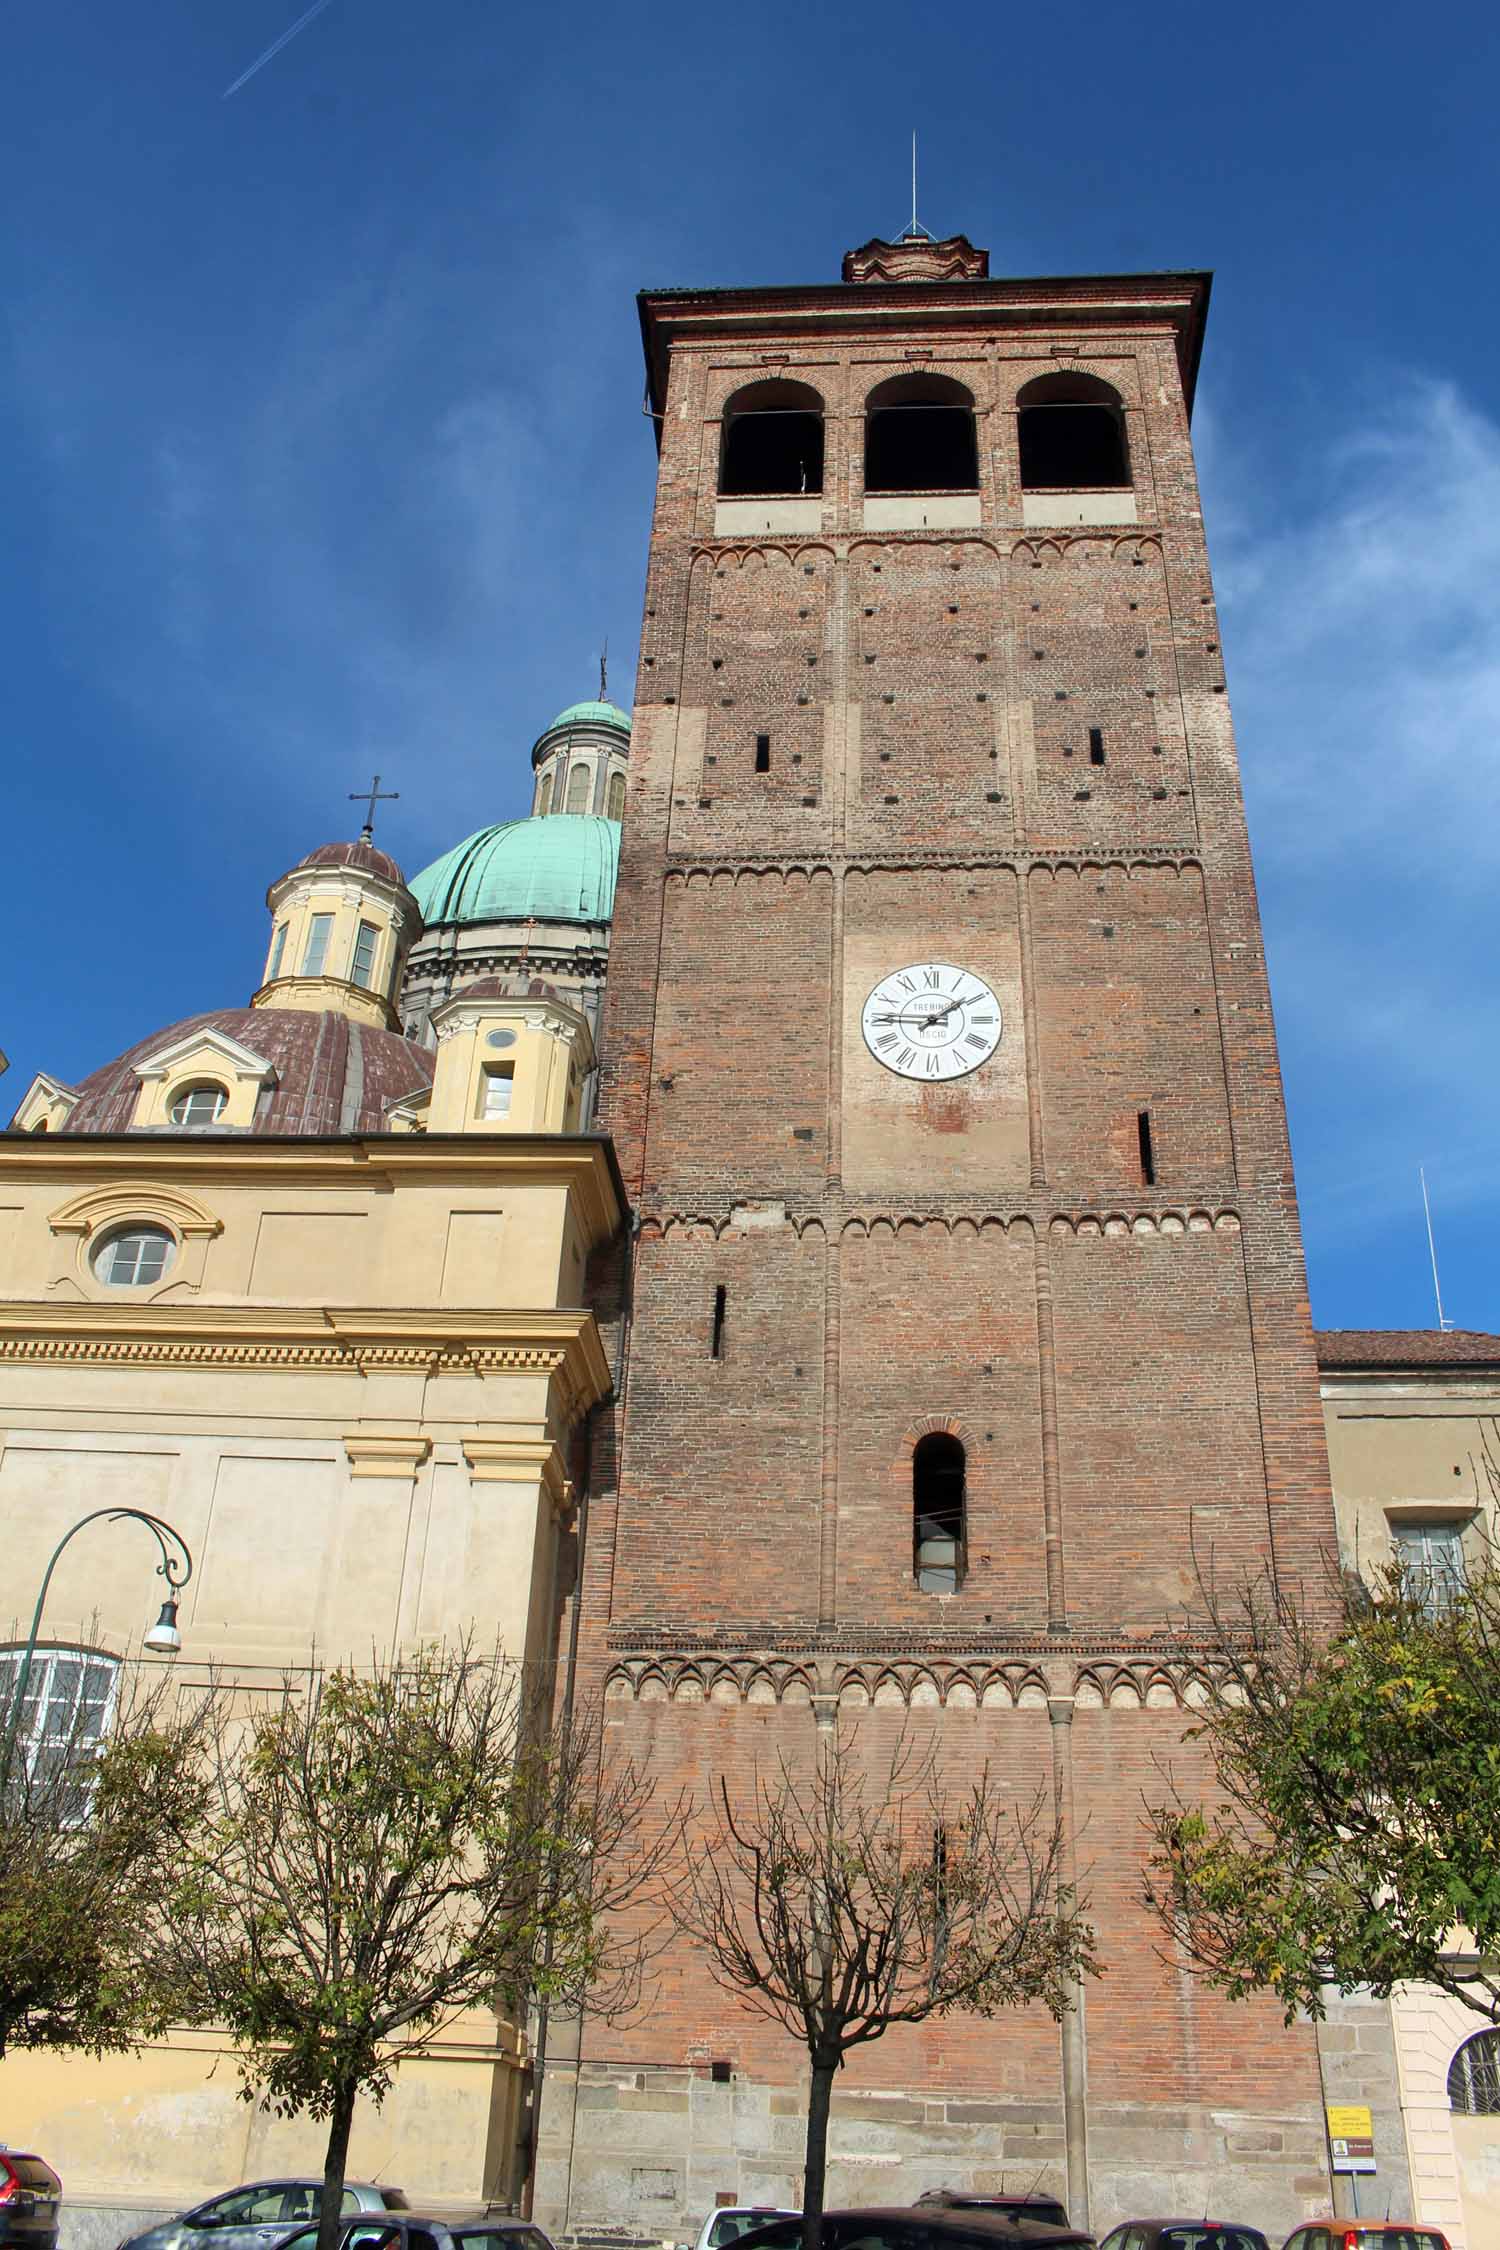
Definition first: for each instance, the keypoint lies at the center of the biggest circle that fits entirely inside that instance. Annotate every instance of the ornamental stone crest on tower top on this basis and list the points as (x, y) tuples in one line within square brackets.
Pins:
[(918, 256)]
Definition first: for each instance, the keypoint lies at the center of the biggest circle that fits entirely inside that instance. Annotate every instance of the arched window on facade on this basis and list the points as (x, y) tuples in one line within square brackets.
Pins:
[(579, 782), (1474, 2076), (614, 803), (544, 802), (772, 441), (919, 436), (1072, 435), (937, 1507)]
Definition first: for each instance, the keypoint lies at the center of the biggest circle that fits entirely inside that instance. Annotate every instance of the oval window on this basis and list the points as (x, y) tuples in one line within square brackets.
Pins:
[(198, 1105), (134, 1256)]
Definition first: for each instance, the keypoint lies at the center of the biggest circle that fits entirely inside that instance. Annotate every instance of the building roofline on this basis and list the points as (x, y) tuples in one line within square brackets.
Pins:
[(1096, 299), (1367, 1349)]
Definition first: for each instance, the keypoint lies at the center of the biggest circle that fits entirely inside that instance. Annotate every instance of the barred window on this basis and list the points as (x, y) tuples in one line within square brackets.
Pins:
[(69, 1707), (1474, 2076)]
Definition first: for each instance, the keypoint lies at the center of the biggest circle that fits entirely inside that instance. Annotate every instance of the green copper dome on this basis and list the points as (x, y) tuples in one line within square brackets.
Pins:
[(584, 715), (602, 714), (561, 869)]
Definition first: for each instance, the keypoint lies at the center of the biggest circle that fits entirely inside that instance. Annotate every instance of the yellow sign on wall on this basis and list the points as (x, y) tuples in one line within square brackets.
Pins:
[(1350, 2121)]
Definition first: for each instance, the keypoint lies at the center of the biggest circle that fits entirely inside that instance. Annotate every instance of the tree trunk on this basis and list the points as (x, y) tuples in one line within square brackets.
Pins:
[(816, 2164), (335, 2163)]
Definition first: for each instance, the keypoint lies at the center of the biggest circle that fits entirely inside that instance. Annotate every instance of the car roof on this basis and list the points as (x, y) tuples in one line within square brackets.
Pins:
[(999, 2223)]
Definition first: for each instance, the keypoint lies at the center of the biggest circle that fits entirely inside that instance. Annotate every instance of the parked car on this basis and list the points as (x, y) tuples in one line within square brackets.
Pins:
[(1365, 2234), (731, 2220), (415, 2230), (1045, 2208), (924, 2226), (256, 2215), (30, 2199), (1183, 2234)]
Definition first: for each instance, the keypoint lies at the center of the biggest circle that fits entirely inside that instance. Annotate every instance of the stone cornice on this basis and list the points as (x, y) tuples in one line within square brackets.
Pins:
[(563, 1345), (584, 1163)]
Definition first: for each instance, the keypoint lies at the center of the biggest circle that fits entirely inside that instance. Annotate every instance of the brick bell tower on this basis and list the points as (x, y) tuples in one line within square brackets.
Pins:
[(967, 1303)]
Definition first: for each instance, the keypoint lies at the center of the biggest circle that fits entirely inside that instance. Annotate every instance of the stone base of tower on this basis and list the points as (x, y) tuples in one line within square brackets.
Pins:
[(640, 2155)]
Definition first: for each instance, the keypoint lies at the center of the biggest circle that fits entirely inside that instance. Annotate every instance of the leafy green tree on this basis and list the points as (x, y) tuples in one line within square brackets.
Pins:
[(1351, 1836), (388, 1848), (841, 1897), (90, 1822)]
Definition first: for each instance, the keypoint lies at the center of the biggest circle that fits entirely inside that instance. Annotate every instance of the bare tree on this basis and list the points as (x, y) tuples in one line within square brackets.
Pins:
[(839, 1899), (388, 1848)]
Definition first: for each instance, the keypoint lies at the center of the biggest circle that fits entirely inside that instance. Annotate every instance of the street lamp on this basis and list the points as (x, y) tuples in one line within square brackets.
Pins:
[(163, 1638)]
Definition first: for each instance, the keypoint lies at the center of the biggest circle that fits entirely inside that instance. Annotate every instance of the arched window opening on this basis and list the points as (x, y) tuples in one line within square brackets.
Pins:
[(578, 789), (1474, 2076), (1072, 431), (772, 441), (919, 436), (937, 1504), (544, 802), (614, 808)]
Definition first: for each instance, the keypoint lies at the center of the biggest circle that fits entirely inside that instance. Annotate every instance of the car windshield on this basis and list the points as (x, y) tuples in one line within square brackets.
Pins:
[(730, 2225), (1212, 2238), (1401, 2238)]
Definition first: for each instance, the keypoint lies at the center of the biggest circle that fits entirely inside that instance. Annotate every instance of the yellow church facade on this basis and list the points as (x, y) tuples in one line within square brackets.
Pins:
[(312, 1292)]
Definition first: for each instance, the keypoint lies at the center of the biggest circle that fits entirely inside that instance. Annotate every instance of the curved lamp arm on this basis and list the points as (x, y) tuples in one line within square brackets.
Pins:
[(176, 1566)]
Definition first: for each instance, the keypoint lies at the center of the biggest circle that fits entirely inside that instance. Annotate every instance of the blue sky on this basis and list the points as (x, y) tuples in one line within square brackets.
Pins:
[(321, 453)]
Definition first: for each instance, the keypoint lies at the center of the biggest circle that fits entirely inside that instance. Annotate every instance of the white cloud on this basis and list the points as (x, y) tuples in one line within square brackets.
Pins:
[(1363, 637)]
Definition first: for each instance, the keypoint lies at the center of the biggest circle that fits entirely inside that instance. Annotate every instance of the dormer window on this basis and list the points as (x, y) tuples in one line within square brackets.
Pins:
[(134, 1257), (198, 1107)]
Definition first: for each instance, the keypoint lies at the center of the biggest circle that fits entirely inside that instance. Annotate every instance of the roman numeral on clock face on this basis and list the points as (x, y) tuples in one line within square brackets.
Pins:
[(906, 1058)]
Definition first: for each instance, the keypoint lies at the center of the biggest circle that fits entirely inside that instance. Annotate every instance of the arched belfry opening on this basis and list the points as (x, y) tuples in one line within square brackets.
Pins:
[(772, 441), (1072, 435), (920, 437), (937, 1509)]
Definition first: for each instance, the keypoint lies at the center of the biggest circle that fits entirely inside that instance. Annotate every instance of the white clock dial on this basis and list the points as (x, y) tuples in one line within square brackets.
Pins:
[(931, 1021)]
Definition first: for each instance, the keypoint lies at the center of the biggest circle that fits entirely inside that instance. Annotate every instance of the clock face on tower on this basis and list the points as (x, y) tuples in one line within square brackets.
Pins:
[(931, 1021)]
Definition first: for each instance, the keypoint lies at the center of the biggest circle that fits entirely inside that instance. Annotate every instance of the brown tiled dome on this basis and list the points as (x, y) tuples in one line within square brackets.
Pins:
[(332, 1075), (363, 856)]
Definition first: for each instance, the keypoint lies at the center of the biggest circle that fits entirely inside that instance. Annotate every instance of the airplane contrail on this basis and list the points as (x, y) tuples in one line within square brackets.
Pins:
[(275, 47)]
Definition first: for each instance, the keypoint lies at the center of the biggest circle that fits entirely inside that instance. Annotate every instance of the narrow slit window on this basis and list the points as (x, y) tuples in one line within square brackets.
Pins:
[(716, 1342), (762, 753), (544, 802), (1148, 1153), (937, 1498), (1096, 746), (278, 948)]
